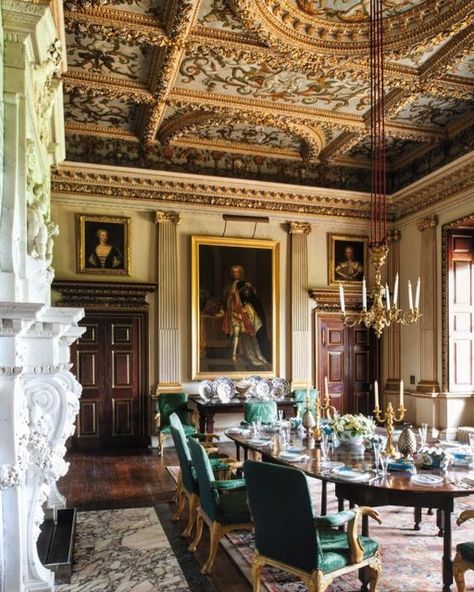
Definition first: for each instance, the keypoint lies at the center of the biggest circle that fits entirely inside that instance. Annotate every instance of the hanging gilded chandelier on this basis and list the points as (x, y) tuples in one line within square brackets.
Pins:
[(383, 311)]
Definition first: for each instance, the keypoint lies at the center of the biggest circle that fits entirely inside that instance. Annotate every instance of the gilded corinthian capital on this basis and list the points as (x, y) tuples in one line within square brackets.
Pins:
[(161, 217), (428, 222), (299, 228)]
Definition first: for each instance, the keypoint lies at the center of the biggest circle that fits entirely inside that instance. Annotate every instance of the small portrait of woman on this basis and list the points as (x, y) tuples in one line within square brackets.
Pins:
[(103, 244)]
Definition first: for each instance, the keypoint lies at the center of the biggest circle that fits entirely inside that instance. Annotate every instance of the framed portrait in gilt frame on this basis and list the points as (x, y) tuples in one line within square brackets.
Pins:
[(347, 260), (103, 244), (235, 307)]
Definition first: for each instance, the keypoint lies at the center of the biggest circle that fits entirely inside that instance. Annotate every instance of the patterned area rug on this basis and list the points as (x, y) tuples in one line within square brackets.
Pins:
[(123, 550), (411, 560)]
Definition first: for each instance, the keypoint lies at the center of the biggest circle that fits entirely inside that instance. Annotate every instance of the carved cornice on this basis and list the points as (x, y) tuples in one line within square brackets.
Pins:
[(101, 131), (327, 299), (167, 217), (299, 228), (104, 295), (85, 84), (427, 222), (186, 189), (448, 181)]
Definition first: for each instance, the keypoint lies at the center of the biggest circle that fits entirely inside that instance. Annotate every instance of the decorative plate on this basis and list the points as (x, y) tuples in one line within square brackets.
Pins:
[(283, 384), (351, 474), (254, 379), (423, 479), (206, 389), (264, 389), (277, 392), (225, 389)]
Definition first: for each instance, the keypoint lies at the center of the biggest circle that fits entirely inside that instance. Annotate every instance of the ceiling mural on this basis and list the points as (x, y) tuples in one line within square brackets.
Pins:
[(433, 110), (352, 10), (208, 70), (270, 137), (114, 57), (267, 89), (99, 111)]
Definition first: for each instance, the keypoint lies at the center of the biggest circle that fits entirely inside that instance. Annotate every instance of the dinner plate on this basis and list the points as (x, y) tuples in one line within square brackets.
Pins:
[(260, 443), (225, 389), (236, 431), (424, 479), (292, 456), (206, 389), (351, 474), (332, 464)]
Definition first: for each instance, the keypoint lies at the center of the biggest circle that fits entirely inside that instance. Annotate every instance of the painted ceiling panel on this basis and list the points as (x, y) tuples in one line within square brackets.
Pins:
[(352, 10), (217, 14), (434, 111), (396, 149), (151, 8), (99, 111), (255, 135), (421, 55), (206, 71), (465, 68)]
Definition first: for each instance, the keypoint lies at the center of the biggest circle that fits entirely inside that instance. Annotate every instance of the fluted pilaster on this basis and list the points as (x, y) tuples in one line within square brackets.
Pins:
[(168, 314), (392, 333), (300, 322), (429, 306)]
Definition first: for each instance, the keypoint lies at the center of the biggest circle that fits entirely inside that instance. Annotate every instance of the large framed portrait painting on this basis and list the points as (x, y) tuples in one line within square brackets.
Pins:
[(103, 244), (347, 260), (235, 303)]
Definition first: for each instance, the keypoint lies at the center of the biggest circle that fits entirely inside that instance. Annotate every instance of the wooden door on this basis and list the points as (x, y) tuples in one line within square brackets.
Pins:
[(347, 357), (461, 310), (110, 363)]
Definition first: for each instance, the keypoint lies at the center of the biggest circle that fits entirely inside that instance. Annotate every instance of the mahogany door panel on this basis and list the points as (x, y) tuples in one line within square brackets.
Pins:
[(344, 355), (110, 363)]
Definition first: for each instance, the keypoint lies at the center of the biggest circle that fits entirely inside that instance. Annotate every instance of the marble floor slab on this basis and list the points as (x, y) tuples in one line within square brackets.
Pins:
[(123, 550)]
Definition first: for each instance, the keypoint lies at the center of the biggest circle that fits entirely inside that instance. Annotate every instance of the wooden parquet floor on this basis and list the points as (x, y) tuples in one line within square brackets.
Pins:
[(133, 478)]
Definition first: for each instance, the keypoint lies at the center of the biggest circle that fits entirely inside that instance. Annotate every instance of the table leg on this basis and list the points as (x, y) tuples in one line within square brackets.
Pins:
[(340, 508), (440, 522), (202, 422), (324, 498), (210, 422), (237, 450), (417, 517), (447, 542)]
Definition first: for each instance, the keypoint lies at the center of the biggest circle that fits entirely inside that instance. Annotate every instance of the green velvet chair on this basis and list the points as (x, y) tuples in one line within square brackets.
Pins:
[(169, 403), (464, 558), (288, 536), (188, 488), (263, 411), (223, 504)]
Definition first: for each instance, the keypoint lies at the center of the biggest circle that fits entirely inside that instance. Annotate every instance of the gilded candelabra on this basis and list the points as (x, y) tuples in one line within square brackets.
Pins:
[(317, 418), (389, 418), (327, 410), (381, 314)]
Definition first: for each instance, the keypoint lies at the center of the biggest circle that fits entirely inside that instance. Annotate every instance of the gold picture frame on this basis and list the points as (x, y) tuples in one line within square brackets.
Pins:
[(103, 244), (347, 259), (235, 307)]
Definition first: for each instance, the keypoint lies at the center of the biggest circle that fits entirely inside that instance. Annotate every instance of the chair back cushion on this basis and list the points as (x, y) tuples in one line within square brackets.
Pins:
[(280, 505), (179, 439), (300, 399), (263, 411), (208, 497), (169, 403)]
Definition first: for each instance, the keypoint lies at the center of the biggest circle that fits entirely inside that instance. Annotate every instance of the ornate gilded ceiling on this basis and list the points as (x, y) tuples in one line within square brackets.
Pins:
[(267, 89)]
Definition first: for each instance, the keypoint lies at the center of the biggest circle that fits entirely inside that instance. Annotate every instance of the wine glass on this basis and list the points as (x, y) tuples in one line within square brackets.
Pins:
[(324, 447), (377, 447), (385, 460), (280, 415), (471, 444), (423, 432)]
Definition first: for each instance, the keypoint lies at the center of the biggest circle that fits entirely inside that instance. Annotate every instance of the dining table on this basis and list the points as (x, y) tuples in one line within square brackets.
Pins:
[(391, 489)]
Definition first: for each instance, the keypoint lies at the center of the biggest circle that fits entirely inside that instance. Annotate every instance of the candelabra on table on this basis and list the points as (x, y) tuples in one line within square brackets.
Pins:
[(389, 418)]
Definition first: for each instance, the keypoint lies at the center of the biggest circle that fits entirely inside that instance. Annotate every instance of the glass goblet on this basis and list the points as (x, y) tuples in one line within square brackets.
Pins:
[(377, 447), (324, 447), (384, 460), (471, 444)]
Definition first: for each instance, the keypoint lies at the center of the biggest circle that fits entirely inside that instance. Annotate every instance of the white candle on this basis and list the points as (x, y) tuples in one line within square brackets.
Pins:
[(417, 297), (401, 393), (364, 294), (326, 386), (395, 291), (376, 394), (341, 298), (387, 296), (410, 296)]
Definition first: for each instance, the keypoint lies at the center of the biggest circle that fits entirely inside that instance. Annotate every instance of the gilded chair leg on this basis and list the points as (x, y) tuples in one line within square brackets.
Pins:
[(180, 508), (317, 582), (459, 567), (257, 566), (179, 487), (374, 569), (197, 538), (162, 441), (216, 534), (193, 504)]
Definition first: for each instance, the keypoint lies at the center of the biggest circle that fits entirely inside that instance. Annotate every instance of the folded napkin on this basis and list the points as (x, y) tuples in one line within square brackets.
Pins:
[(261, 443), (401, 466)]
